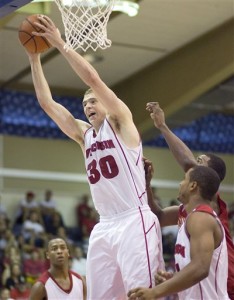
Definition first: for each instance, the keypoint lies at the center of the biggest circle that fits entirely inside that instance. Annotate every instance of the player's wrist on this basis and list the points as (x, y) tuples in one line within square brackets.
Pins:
[(162, 126)]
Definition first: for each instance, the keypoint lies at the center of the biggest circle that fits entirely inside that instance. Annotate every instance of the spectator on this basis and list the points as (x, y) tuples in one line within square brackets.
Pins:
[(3, 229), (89, 222), (15, 276), (78, 262), (12, 255), (3, 212), (62, 234), (82, 210), (32, 226), (48, 206), (25, 248), (34, 266), (7, 239), (27, 205), (20, 291), (54, 224), (5, 294)]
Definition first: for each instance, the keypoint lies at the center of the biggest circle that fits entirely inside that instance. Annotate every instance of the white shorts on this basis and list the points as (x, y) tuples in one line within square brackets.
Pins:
[(125, 251)]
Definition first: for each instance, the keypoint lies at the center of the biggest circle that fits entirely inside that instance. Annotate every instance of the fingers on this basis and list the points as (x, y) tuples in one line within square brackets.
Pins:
[(162, 276), (152, 105), (159, 279), (45, 24), (46, 19), (132, 294)]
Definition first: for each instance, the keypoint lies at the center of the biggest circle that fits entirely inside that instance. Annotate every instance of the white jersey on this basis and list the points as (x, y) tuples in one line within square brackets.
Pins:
[(213, 287), (116, 173), (54, 291)]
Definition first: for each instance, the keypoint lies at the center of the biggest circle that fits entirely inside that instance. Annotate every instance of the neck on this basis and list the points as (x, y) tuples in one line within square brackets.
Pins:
[(194, 201), (59, 272)]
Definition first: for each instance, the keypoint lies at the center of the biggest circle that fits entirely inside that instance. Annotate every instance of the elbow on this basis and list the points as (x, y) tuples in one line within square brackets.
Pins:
[(43, 105), (204, 273), (188, 164)]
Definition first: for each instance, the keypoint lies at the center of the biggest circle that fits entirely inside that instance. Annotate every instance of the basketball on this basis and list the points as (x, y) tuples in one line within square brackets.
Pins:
[(33, 43)]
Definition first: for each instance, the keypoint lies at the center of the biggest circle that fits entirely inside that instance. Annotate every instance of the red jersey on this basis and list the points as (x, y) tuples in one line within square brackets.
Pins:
[(223, 216)]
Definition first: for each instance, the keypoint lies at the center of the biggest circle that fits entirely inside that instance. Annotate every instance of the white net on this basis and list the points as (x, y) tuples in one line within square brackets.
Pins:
[(85, 22)]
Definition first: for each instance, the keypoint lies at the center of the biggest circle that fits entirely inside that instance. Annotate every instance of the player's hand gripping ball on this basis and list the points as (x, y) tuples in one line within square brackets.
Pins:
[(33, 43)]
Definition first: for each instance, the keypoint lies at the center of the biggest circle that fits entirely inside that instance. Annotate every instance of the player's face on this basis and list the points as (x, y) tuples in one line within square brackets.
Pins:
[(58, 252), (184, 189), (93, 110), (203, 160)]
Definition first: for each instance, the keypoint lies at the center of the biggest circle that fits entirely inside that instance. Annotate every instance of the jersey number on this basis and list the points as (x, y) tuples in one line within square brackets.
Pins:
[(108, 169)]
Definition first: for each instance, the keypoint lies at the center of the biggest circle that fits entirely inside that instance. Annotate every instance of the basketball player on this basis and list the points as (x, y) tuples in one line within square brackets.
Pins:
[(58, 282), (113, 157), (186, 160), (200, 250)]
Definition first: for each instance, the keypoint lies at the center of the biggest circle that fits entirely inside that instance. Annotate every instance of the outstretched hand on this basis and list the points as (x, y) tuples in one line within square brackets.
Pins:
[(141, 294), (49, 31), (156, 114)]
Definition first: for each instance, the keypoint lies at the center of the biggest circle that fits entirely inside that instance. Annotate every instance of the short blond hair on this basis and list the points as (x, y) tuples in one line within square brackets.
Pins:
[(89, 91)]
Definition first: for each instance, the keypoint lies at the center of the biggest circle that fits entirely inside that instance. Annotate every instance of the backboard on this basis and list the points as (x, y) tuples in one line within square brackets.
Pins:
[(9, 6)]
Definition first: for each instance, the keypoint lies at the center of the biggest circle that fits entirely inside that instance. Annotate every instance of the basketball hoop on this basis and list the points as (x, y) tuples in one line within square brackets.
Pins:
[(85, 22)]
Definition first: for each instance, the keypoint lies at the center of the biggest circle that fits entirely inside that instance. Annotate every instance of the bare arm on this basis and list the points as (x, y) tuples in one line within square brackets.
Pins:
[(116, 109), (38, 292), (200, 228), (181, 152), (61, 116), (166, 216)]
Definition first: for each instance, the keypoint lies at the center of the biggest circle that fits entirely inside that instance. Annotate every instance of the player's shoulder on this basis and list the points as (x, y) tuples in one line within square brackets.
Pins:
[(75, 274), (43, 277), (38, 291), (205, 208), (202, 216)]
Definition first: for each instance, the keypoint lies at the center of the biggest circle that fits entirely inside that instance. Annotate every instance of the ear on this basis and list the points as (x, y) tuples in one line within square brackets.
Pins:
[(47, 255), (193, 185)]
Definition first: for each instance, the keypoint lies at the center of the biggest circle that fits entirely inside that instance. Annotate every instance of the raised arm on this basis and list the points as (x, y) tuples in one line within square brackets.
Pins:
[(181, 152), (114, 106), (61, 116), (166, 216)]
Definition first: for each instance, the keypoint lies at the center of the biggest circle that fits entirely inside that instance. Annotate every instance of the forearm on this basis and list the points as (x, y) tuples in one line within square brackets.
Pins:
[(40, 84), (181, 152), (156, 209), (91, 78), (182, 280), (81, 67)]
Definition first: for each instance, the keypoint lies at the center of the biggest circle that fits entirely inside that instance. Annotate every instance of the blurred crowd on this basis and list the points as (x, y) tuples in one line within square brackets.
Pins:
[(23, 241)]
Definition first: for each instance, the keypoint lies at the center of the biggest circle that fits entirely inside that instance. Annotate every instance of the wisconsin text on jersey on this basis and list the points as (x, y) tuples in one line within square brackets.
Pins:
[(179, 249), (99, 146)]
